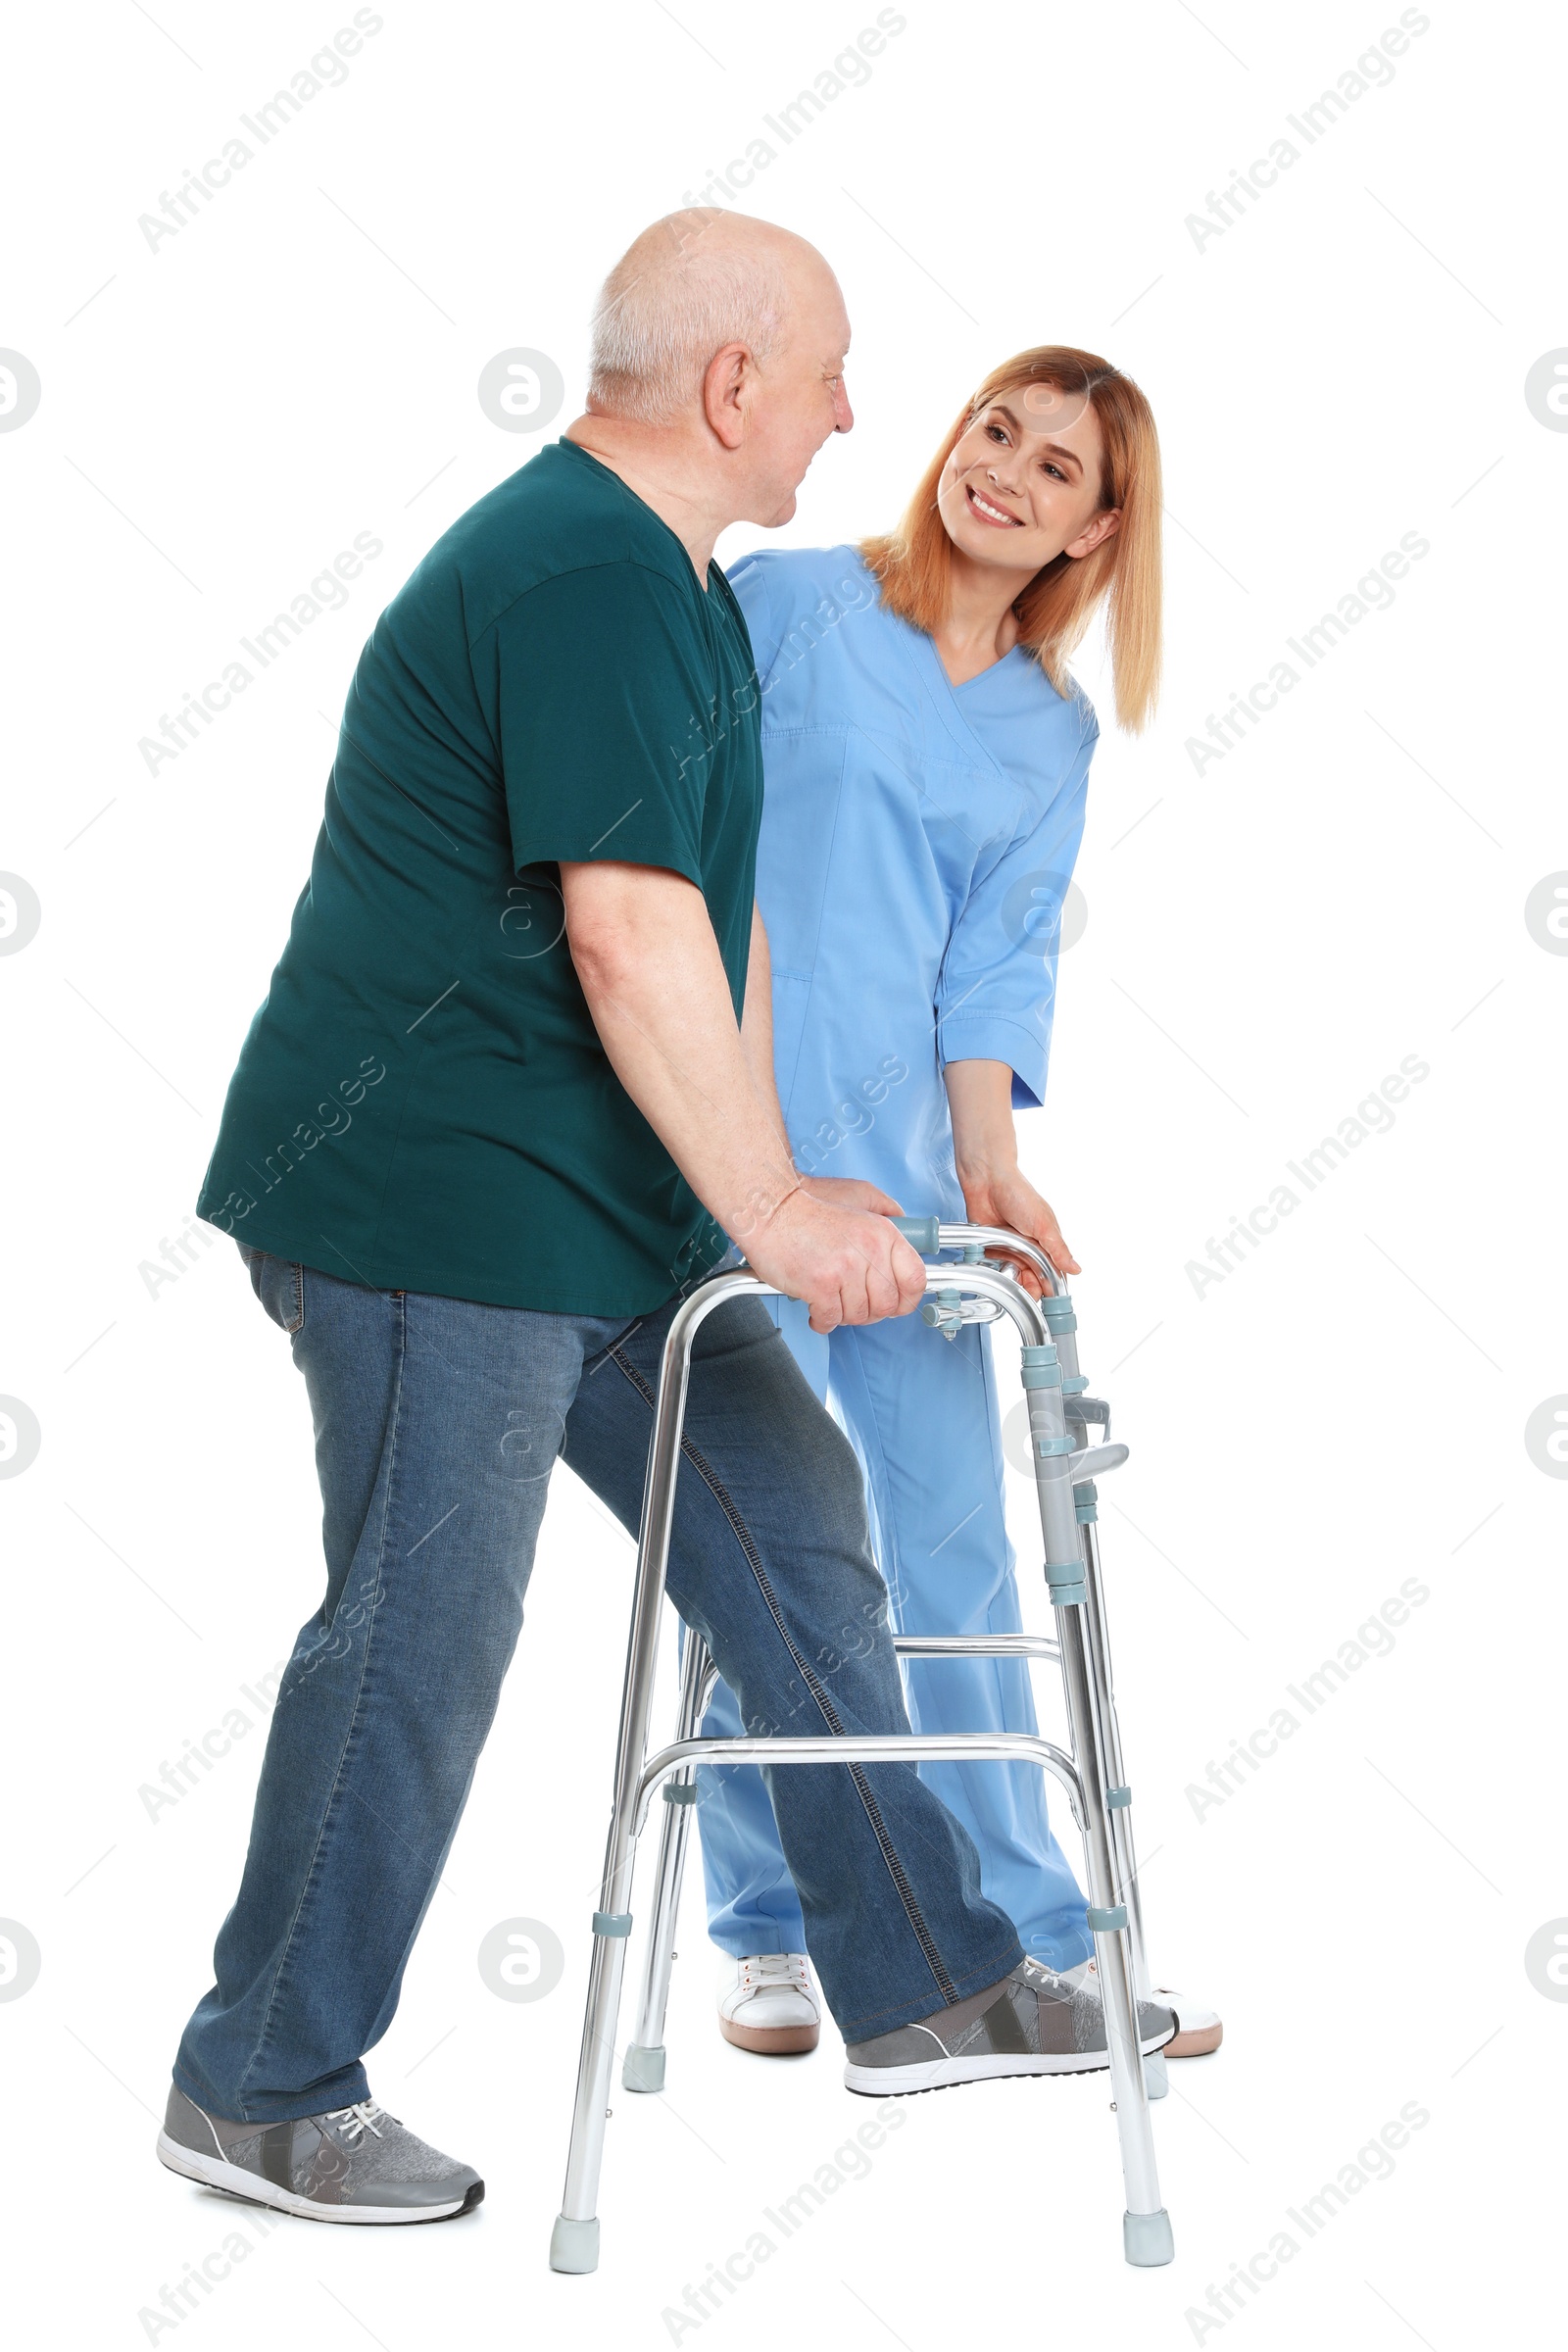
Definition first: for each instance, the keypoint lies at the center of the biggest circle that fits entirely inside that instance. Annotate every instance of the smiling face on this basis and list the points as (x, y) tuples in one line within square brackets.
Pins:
[(1022, 483)]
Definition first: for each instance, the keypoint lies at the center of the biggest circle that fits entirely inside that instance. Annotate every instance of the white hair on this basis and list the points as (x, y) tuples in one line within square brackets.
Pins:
[(684, 289)]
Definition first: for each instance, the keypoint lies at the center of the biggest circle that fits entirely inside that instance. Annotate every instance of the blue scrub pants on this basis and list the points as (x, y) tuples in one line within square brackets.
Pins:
[(921, 1415)]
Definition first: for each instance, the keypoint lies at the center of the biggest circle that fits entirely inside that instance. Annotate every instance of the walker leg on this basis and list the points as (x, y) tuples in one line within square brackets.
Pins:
[(1118, 1795), (644, 2065), (575, 2244), (1145, 2228), (574, 2241)]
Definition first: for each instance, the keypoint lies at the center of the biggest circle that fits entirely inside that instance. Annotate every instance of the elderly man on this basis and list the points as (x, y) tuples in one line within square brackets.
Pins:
[(499, 1106)]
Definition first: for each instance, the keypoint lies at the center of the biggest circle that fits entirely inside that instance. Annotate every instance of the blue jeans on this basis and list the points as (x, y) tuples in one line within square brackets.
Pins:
[(437, 1424)]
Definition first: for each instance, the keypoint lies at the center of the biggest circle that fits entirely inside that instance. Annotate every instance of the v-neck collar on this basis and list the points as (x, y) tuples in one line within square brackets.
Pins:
[(989, 671), (948, 698)]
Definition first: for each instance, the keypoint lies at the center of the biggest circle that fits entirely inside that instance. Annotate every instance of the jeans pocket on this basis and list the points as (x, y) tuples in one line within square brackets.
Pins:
[(279, 1285)]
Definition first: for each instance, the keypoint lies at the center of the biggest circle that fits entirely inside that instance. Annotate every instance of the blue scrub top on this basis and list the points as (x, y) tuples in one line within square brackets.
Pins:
[(918, 841)]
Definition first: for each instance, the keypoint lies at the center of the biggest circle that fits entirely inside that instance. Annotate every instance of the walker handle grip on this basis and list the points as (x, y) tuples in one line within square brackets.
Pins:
[(921, 1233)]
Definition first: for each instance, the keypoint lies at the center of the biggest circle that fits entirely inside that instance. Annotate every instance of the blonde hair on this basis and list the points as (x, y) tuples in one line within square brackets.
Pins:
[(913, 562)]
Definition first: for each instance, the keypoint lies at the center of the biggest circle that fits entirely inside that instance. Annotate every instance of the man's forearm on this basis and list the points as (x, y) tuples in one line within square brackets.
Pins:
[(649, 967)]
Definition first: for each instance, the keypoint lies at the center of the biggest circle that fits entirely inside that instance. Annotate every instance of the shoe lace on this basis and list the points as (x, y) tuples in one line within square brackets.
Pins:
[(365, 2115), (775, 1968)]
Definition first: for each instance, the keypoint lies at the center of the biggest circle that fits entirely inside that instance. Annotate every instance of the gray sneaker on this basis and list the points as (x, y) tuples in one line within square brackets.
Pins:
[(1033, 2022), (352, 2164)]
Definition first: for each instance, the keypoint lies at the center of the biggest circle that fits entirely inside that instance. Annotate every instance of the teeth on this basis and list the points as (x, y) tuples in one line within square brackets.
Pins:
[(987, 509)]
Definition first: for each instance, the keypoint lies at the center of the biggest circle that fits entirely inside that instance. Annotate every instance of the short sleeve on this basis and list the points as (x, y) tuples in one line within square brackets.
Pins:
[(749, 579), (603, 720), (996, 1000)]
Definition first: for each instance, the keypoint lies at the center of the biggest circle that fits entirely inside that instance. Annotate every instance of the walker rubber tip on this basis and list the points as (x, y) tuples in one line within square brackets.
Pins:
[(574, 2245), (1145, 2239), (643, 2068), (1156, 2074)]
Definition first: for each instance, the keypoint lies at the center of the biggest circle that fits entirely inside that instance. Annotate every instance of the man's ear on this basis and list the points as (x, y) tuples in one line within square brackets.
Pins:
[(727, 383), (1096, 532)]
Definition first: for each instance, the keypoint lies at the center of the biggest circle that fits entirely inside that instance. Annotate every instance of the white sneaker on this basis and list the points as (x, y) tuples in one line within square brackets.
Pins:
[(769, 2003), (1199, 2031)]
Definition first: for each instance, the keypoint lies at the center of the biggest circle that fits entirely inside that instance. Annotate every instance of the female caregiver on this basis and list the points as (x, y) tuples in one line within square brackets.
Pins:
[(926, 760)]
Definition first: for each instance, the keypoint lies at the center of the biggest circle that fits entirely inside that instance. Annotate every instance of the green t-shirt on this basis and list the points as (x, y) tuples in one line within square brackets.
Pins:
[(422, 1102)]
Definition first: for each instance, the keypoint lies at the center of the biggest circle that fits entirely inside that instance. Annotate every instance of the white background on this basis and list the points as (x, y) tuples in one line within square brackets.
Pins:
[(1344, 365)]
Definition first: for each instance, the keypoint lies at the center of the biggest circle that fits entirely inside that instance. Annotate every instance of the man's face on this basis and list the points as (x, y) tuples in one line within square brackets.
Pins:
[(800, 397)]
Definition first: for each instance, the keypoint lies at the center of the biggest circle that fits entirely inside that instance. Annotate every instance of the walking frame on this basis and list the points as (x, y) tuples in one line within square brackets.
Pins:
[(975, 1288)]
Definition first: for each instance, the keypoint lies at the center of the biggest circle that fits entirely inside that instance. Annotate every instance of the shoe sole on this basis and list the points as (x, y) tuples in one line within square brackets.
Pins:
[(1192, 2041), (213, 2171), (1201, 2041), (995, 2065), (770, 2041)]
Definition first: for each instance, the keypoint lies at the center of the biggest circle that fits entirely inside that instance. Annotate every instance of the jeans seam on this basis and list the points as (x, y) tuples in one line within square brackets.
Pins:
[(873, 1812), (327, 1811)]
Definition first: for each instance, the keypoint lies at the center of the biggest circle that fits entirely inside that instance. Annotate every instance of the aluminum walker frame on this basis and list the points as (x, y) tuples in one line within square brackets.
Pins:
[(974, 1289)]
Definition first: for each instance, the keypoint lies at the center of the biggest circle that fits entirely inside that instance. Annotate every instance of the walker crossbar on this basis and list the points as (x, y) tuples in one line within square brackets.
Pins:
[(1091, 1774), (976, 1645), (865, 1747)]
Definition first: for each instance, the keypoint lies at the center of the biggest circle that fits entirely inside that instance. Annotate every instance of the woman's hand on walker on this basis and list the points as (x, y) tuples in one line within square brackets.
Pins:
[(1010, 1201), (985, 1148)]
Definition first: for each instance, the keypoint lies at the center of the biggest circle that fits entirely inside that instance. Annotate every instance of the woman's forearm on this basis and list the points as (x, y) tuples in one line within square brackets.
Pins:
[(985, 1142), (985, 1152)]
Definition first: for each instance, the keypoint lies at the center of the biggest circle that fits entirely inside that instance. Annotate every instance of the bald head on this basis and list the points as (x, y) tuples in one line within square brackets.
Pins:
[(717, 373), (690, 286)]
